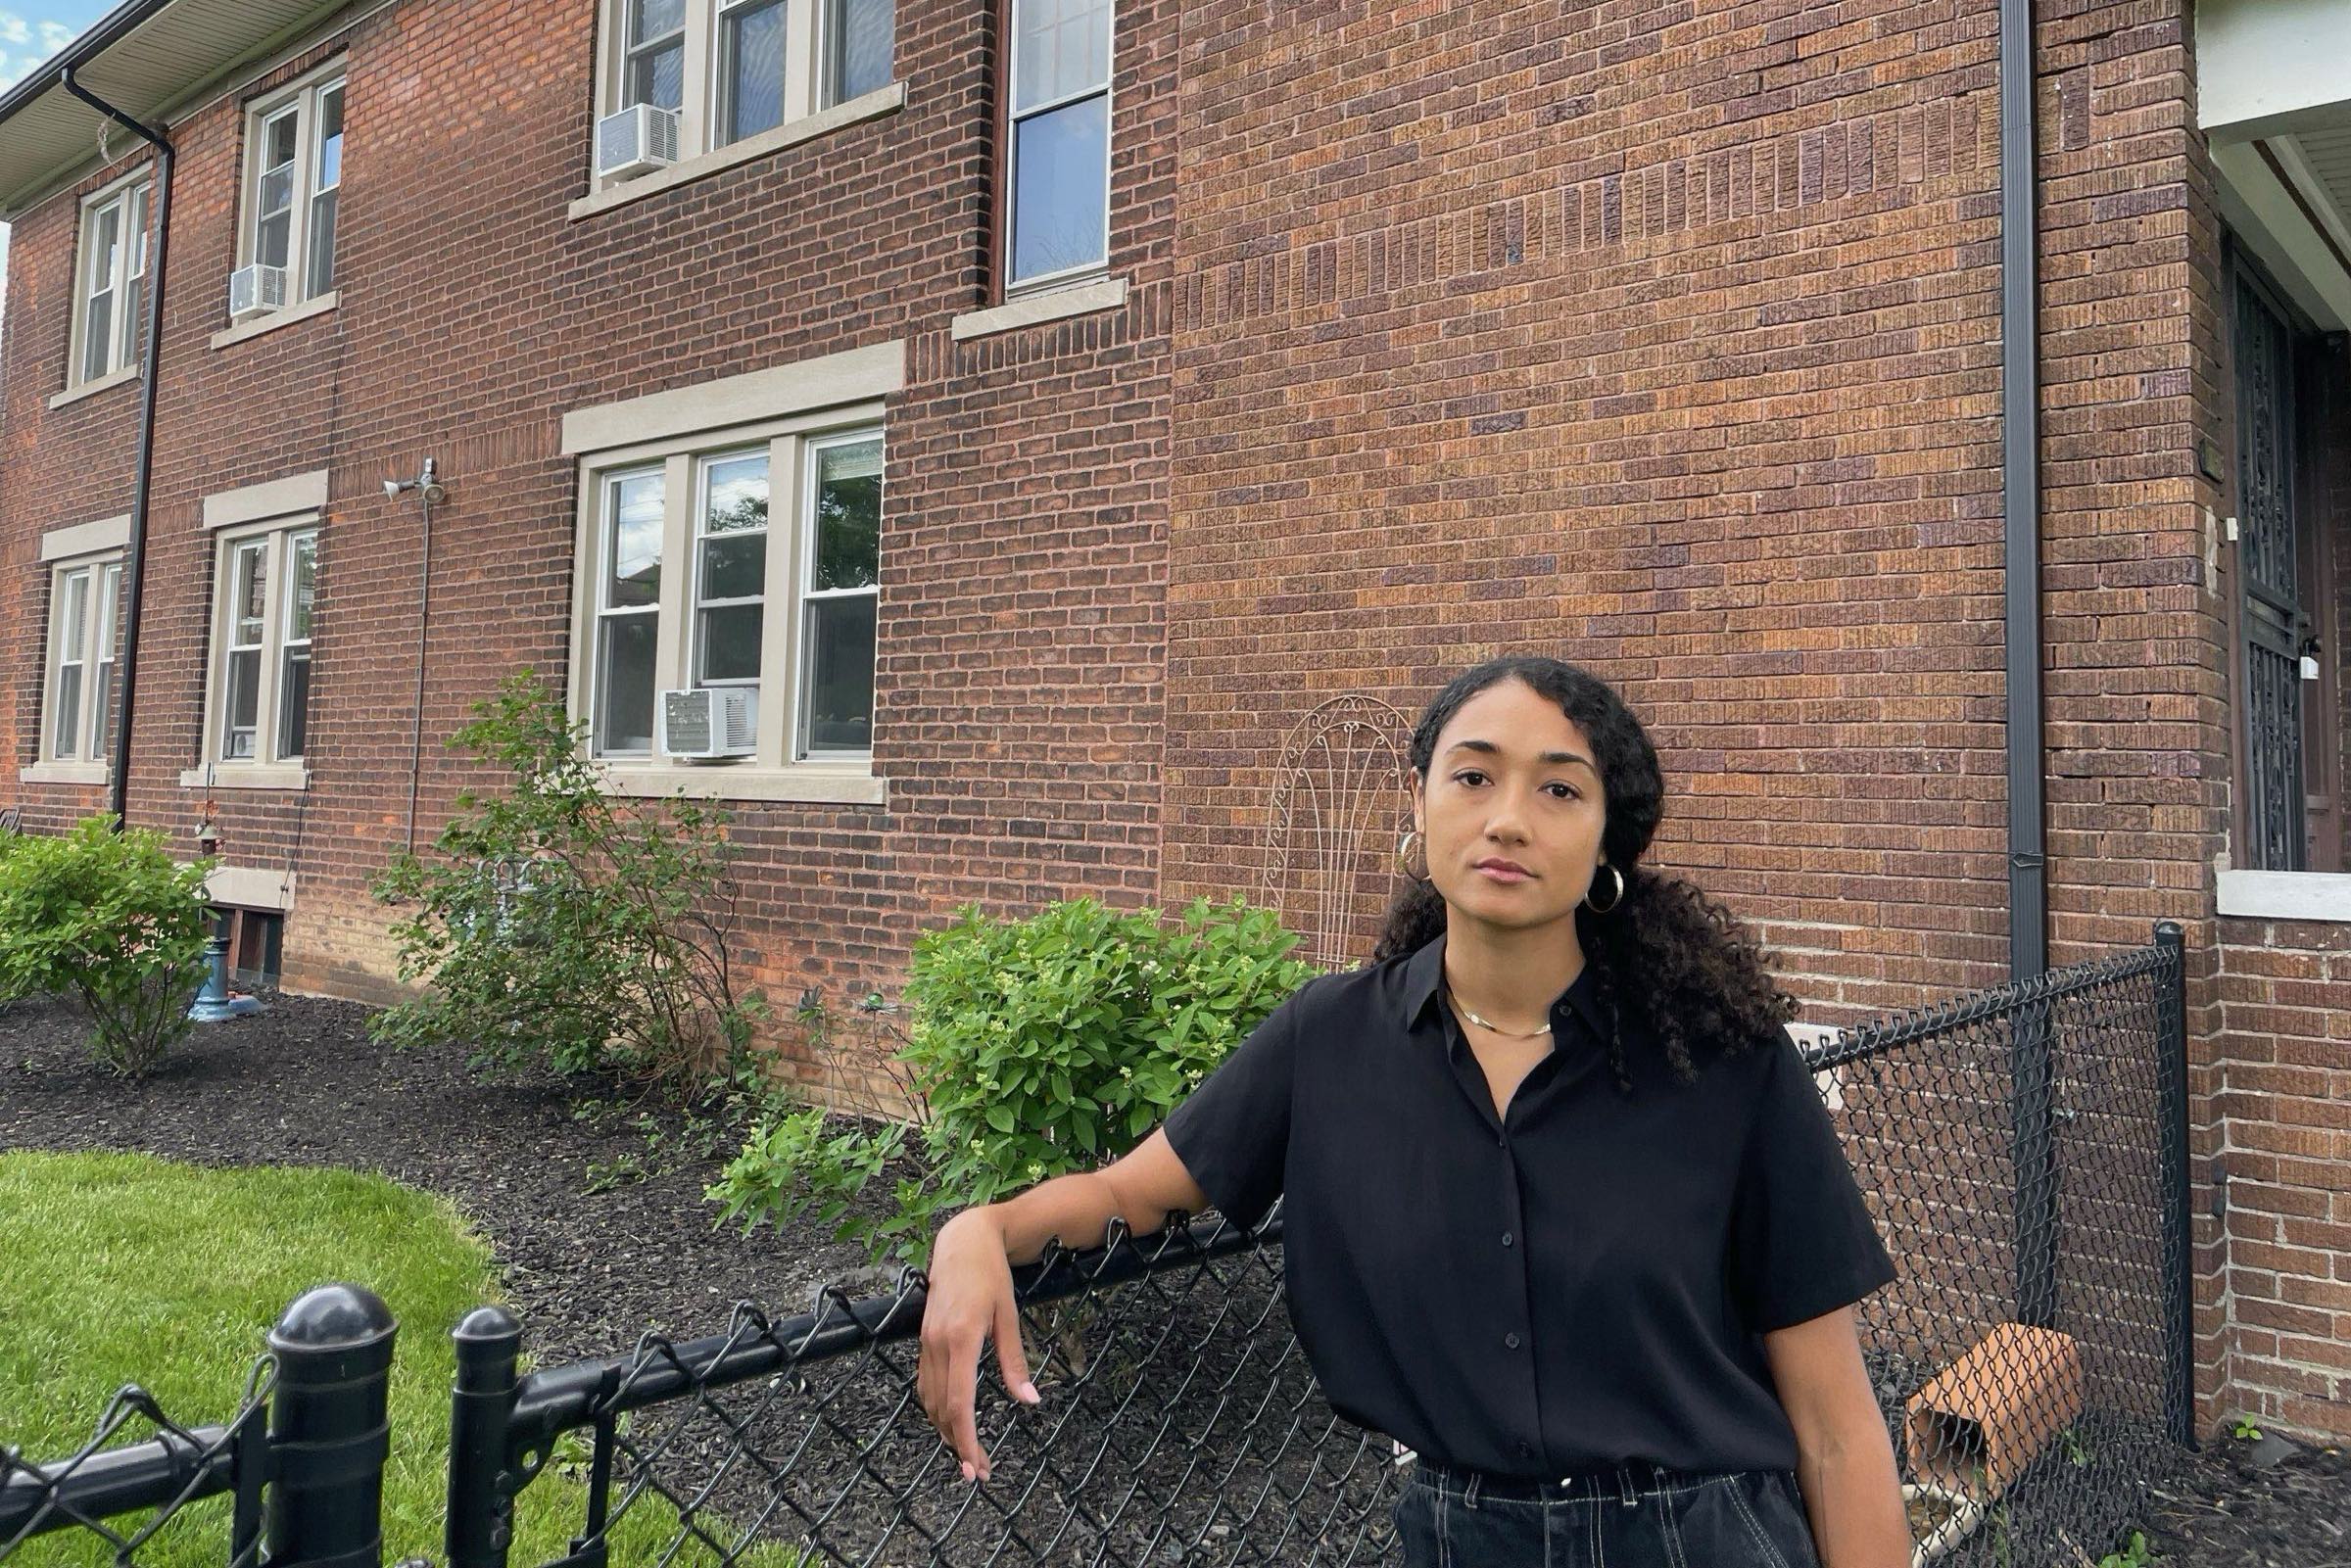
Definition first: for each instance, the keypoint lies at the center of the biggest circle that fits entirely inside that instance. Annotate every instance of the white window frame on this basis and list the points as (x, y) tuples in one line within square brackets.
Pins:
[(275, 539), (96, 646), (133, 192), (303, 99), (1014, 116), (699, 534), (779, 757), (805, 589), (290, 646), (809, 87)]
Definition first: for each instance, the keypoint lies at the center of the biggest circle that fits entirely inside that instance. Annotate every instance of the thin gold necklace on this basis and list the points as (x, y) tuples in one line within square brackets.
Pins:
[(1512, 1034)]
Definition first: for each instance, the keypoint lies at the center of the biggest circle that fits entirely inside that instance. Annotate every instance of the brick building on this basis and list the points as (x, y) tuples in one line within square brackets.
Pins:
[(1038, 412)]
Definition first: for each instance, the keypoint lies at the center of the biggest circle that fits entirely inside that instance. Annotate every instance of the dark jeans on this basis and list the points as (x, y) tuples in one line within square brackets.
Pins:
[(1637, 1517)]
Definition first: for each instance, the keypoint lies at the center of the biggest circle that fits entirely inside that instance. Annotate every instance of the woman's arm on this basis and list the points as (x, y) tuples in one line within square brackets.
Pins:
[(1143, 1187), (970, 1301), (1845, 1460)]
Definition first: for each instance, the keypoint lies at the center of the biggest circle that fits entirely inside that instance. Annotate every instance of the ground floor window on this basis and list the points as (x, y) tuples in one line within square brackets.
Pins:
[(745, 565), (84, 640), (266, 589)]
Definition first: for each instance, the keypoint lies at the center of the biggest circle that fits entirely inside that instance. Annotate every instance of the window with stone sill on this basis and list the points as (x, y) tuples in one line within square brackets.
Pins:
[(265, 593), (731, 69), (292, 195), (1058, 143), (110, 318), (86, 639), (751, 563)]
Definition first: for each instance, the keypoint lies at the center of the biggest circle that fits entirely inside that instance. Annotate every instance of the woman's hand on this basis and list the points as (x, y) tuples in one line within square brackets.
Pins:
[(969, 1301)]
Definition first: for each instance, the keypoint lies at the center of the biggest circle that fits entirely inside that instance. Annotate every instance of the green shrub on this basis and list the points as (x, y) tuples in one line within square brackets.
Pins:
[(1038, 1047), (111, 920), (565, 926)]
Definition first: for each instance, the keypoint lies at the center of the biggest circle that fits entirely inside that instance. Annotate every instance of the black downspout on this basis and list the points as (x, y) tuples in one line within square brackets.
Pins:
[(2032, 1064), (135, 560)]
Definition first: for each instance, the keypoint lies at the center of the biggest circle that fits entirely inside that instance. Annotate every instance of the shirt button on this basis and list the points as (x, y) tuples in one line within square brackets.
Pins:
[(1527, 1448), (1512, 1339), (1506, 1238)]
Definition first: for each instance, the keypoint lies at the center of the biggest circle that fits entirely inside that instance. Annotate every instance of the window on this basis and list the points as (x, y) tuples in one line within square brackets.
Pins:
[(294, 645), (750, 67), (730, 70), (110, 320), (781, 605), (293, 192), (857, 47), (1060, 140), (261, 688), (84, 636), (836, 703), (629, 618)]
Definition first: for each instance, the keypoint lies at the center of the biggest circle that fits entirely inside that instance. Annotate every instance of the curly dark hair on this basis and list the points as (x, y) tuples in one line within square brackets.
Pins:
[(1682, 963)]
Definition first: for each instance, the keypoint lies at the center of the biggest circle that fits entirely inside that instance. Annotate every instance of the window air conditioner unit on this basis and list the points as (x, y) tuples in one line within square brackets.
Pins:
[(638, 140), (714, 722), (254, 289)]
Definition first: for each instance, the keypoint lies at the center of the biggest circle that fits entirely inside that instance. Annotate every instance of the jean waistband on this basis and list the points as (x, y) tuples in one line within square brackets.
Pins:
[(1628, 1482)]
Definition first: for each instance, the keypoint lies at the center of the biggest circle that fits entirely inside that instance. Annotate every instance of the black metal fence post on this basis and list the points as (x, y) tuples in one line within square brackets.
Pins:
[(2033, 1077), (2179, 1234), (330, 1430), (481, 1495)]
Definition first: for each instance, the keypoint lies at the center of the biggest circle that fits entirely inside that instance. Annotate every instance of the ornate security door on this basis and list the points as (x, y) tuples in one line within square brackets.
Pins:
[(2274, 628)]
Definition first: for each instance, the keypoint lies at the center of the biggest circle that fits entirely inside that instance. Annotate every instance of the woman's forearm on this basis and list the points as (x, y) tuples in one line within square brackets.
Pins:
[(1077, 1207), (1854, 1498)]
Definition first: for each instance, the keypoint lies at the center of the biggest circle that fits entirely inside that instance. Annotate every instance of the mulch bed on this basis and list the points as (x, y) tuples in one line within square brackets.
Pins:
[(589, 1270)]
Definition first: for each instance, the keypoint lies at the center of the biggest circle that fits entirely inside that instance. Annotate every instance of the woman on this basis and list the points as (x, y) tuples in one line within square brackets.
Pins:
[(1563, 1212)]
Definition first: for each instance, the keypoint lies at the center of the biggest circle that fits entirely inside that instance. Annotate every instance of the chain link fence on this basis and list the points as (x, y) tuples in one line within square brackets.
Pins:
[(2024, 1152), (301, 1460)]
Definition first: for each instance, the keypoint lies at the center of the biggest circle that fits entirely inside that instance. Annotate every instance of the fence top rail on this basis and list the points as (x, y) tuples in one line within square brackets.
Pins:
[(559, 1399), (1941, 1018), (178, 1465)]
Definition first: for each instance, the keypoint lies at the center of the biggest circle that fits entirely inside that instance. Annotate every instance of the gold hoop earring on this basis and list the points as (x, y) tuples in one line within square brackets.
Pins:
[(1404, 853), (1603, 908)]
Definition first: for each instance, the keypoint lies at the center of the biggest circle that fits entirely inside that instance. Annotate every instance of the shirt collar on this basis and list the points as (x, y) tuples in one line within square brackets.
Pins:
[(1425, 971)]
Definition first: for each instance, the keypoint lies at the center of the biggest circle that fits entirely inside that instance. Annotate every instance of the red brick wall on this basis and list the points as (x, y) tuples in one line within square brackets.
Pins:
[(2285, 1090), (1664, 343), (1026, 489)]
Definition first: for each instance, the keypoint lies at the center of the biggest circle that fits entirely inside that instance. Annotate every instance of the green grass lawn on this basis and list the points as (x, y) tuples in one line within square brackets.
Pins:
[(121, 1269)]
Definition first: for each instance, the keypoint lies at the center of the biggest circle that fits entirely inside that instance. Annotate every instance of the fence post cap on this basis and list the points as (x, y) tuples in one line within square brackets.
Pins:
[(333, 1317), (485, 1323)]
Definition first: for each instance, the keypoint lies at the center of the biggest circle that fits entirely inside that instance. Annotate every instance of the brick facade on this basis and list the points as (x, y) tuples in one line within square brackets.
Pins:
[(1666, 341)]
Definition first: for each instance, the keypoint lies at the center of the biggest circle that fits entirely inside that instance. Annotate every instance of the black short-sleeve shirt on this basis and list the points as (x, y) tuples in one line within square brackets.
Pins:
[(1584, 1282)]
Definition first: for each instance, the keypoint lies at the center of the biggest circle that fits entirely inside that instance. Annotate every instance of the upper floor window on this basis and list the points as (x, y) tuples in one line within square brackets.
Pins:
[(110, 319), (722, 70), (292, 191), (85, 634), (1059, 141)]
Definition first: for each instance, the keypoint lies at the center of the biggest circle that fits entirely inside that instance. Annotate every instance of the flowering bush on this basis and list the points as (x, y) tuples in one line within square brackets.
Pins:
[(1038, 1047)]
